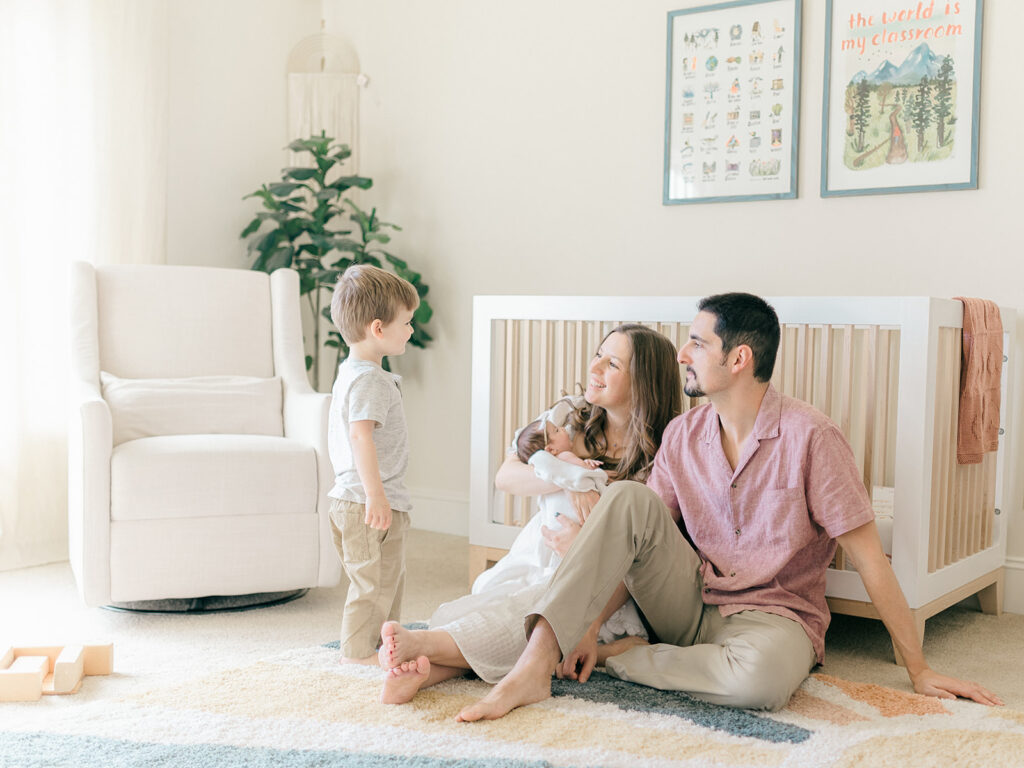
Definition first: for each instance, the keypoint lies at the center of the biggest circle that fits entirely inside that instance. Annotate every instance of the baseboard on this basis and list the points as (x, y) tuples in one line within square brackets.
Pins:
[(1013, 587), (440, 511)]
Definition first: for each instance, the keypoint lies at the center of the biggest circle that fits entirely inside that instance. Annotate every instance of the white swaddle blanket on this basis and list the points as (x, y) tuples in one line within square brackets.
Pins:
[(531, 561)]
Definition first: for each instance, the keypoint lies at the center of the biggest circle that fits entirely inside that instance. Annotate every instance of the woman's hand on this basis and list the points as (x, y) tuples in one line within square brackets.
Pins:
[(583, 503), (559, 540), (580, 663)]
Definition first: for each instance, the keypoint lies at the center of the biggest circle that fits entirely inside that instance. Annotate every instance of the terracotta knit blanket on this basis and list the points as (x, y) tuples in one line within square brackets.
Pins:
[(981, 371)]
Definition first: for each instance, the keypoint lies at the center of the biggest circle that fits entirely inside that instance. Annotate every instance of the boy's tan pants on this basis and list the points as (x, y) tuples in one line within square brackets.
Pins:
[(374, 562), (751, 659)]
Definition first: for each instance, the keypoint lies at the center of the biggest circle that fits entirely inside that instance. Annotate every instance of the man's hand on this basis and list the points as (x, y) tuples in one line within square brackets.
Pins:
[(930, 683), (560, 540), (580, 663), (378, 513)]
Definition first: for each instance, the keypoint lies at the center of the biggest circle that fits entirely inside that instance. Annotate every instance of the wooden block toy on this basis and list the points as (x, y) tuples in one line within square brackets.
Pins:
[(23, 679), (68, 670), (26, 673)]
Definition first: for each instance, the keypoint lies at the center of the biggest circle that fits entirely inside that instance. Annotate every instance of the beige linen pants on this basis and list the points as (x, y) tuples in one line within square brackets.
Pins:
[(750, 659), (374, 562)]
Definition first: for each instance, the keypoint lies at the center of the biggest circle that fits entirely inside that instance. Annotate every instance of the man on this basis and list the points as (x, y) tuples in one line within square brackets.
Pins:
[(763, 486)]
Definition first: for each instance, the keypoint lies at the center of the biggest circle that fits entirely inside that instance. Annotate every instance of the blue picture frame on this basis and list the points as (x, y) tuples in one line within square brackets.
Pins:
[(730, 145), (886, 51)]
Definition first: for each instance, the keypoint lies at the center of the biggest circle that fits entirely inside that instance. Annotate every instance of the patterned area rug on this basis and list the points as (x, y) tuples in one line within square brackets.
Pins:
[(300, 709)]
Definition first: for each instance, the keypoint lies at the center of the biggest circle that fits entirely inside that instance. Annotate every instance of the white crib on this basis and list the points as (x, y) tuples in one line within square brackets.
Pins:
[(885, 369)]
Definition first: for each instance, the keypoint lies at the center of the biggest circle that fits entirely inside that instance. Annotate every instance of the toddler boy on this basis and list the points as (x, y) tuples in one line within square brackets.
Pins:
[(369, 448)]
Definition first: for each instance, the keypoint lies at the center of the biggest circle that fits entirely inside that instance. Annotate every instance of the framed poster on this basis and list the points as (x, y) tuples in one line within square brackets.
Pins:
[(732, 96), (901, 99)]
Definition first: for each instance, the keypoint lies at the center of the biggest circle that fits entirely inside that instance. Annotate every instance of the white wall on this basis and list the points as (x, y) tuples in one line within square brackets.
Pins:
[(520, 146), (227, 117)]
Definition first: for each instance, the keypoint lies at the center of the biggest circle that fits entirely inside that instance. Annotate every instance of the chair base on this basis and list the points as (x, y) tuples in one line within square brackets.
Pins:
[(212, 604)]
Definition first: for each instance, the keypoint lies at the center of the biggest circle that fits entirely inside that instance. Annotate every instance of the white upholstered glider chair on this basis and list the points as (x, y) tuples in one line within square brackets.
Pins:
[(198, 460)]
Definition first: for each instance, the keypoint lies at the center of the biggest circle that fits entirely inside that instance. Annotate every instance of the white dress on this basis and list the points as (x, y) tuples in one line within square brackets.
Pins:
[(488, 624)]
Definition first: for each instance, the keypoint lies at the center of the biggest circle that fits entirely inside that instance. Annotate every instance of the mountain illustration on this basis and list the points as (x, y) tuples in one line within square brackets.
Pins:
[(919, 62)]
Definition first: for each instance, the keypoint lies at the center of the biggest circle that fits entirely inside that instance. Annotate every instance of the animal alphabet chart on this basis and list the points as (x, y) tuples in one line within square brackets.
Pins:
[(732, 102)]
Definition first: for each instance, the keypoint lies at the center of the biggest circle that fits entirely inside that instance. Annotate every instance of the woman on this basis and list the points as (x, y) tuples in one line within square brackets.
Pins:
[(634, 390)]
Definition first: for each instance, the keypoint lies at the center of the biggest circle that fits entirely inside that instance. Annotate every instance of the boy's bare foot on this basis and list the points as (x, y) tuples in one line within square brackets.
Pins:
[(402, 682), (350, 660), (398, 645), (614, 648), (527, 683)]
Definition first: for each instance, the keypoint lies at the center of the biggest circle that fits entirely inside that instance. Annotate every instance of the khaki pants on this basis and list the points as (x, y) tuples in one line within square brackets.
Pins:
[(751, 659), (374, 562)]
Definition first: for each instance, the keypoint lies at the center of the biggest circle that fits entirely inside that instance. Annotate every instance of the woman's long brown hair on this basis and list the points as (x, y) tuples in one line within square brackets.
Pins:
[(656, 399)]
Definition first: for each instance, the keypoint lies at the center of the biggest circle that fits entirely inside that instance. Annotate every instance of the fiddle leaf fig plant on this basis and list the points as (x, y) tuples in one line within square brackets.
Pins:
[(307, 223)]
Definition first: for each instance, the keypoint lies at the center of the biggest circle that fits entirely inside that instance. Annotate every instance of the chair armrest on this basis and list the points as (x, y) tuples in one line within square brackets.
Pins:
[(90, 445), (305, 419)]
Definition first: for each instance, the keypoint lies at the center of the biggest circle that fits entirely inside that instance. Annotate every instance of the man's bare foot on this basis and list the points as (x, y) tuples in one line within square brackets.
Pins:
[(350, 660), (614, 648), (402, 682), (398, 645), (527, 683)]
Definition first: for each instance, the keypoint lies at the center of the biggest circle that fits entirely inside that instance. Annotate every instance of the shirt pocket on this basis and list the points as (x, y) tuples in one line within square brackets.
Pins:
[(786, 520)]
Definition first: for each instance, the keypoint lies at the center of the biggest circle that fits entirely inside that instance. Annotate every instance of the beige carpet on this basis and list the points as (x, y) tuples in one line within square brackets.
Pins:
[(40, 606)]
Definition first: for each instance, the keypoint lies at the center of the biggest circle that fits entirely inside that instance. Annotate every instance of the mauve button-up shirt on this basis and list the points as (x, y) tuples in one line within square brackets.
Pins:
[(766, 531)]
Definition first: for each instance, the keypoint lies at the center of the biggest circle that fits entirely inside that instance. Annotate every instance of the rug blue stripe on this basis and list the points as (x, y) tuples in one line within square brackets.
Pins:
[(605, 689), (47, 750)]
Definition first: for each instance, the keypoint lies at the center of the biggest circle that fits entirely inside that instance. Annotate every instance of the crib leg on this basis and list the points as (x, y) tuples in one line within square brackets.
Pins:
[(991, 597), (919, 620)]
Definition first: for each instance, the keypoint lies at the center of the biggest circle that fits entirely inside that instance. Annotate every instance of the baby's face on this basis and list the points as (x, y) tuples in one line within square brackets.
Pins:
[(558, 439)]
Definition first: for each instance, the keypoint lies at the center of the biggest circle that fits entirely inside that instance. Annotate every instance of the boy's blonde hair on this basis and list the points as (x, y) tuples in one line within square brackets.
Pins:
[(365, 293)]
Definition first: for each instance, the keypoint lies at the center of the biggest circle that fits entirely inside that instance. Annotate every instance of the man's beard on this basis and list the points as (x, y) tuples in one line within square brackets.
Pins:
[(692, 389)]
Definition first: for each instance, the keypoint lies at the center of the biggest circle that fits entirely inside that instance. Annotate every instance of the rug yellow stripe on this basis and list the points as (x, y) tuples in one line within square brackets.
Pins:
[(267, 690)]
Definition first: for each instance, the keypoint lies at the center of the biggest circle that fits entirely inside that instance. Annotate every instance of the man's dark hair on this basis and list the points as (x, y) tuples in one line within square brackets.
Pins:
[(742, 318)]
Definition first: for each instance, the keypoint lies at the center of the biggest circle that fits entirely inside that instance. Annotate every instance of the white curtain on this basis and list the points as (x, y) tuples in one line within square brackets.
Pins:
[(83, 101)]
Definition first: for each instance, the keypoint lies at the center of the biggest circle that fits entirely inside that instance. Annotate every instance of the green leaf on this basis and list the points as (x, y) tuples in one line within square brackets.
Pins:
[(284, 188), (343, 152), (309, 362), (327, 193), (343, 183), (252, 227), (298, 174), (380, 237), (423, 313)]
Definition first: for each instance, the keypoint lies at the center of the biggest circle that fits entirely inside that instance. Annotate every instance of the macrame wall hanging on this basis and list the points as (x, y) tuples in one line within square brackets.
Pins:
[(323, 93)]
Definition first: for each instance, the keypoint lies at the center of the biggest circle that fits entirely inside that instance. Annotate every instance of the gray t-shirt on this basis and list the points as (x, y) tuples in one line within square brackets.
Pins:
[(364, 391)]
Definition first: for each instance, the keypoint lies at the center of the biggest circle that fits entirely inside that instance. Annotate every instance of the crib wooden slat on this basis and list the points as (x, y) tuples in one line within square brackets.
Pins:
[(799, 392), (882, 409), (512, 401), (951, 376), (869, 375), (778, 379), (846, 383), (825, 368)]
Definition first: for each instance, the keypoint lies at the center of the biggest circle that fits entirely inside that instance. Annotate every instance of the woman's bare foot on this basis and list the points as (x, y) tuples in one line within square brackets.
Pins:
[(398, 645), (402, 682), (527, 683), (614, 648), (350, 660)]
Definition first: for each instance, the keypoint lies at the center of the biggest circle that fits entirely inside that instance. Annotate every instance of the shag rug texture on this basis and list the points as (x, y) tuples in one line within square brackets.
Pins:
[(301, 709)]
